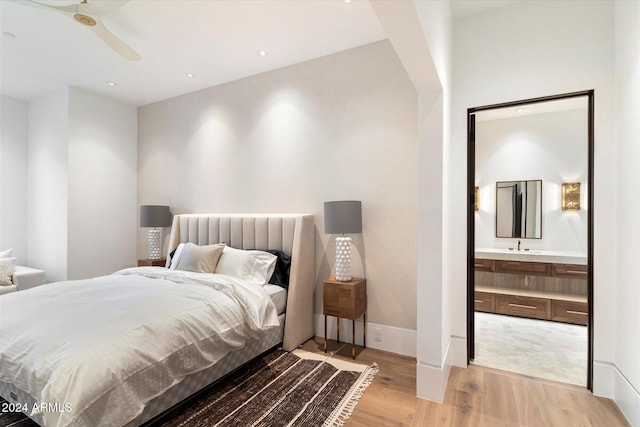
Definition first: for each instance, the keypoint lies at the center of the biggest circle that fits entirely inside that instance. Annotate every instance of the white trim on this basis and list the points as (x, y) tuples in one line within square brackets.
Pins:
[(432, 380), (393, 339), (609, 382)]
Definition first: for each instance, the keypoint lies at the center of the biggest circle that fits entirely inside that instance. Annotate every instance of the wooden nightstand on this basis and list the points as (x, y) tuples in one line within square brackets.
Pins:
[(152, 262), (347, 300)]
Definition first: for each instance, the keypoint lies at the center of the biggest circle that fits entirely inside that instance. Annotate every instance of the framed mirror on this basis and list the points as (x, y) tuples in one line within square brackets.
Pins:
[(519, 209)]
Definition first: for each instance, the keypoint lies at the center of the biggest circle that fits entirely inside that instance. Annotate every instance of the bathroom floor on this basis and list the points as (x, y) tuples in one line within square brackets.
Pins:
[(543, 349)]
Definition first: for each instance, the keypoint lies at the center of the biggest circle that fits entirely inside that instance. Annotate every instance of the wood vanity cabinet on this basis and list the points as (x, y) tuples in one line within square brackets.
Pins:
[(497, 297), (571, 271), (485, 301), (523, 306), (523, 267), (484, 264)]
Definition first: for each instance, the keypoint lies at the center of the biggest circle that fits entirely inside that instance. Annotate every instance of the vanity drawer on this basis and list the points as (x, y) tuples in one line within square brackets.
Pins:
[(569, 312), (573, 271), (523, 267), (485, 301), (516, 305), (483, 264)]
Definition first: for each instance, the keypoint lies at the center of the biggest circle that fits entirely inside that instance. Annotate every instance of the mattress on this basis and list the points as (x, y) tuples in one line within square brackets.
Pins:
[(155, 332), (278, 295)]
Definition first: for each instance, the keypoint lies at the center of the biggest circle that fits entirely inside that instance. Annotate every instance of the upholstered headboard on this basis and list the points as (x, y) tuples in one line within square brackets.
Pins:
[(290, 233)]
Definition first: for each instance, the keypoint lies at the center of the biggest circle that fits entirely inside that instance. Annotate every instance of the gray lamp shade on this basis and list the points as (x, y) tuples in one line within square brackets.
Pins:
[(155, 216), (343, 217)]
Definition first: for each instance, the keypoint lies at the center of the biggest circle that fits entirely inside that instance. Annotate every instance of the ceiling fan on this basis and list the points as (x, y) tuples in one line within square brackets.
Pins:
[(88, 14)]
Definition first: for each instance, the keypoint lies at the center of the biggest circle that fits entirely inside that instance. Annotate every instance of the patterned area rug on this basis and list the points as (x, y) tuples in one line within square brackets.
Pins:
[(278, 389)]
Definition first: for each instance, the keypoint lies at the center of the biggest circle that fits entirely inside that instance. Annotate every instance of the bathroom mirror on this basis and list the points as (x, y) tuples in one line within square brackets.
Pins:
[(519, 209)]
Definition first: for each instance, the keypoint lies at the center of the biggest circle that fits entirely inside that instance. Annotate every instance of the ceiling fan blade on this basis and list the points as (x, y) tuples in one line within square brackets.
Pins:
[(66, 10), (100, 7), (114, 43)]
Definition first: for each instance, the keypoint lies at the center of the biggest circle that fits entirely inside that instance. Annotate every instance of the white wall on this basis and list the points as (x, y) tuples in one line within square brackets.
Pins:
[(13, 176), (551, 147), (532, 49), (338, 127), (626, 289), (103, 191), (82, 188), (48, 184)]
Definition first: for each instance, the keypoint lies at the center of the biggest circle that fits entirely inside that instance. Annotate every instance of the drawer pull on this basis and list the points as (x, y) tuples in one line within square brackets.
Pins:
[(478, 300), (478, 265), (532, 307), (576, 272), (576, 312)]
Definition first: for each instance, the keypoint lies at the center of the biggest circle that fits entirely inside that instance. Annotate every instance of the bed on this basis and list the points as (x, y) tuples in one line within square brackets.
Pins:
[(171, 332)]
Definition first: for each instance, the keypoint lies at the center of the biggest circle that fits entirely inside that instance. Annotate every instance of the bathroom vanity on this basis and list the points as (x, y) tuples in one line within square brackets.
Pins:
[(535, 284)]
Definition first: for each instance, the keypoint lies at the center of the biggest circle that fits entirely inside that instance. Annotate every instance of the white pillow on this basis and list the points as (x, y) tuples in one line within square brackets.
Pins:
[(201, 259), (251, 266), (7, 268), (6, 253)]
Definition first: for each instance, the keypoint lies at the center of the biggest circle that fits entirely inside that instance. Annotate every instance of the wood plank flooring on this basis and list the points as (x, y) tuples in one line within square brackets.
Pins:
[(476, 396)]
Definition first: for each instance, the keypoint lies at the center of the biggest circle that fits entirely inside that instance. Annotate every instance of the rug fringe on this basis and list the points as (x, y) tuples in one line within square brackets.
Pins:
[(345, 408)]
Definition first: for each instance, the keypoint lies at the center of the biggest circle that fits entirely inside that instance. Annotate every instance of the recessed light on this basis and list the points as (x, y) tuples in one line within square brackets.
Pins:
[(262, 52), (190, 75), (519, 109), (9, 35), (110, 83), (347, 1)]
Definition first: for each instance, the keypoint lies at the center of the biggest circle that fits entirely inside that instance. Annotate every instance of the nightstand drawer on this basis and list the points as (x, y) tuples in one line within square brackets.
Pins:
[(345, 299), (485, 301), (152, 262), (515, 305)]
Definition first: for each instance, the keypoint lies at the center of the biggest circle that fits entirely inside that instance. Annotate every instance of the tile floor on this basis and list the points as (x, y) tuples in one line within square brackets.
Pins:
[(551, 350)]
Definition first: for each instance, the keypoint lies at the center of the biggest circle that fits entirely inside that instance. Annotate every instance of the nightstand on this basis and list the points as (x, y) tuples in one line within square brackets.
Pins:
[(347, 300), (152, 262)]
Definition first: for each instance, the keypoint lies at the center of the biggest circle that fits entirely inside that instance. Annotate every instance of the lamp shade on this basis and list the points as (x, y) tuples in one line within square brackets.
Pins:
[(155, 216), (343, 217)]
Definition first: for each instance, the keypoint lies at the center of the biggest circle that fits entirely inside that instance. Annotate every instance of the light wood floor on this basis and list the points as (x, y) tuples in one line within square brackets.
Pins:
[(475, 396)]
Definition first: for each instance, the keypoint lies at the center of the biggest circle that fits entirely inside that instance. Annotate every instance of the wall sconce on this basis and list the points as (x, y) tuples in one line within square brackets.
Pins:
[(476, 203), (571, 196)]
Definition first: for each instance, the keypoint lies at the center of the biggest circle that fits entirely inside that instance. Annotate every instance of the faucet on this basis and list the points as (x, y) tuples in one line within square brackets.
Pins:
[(518, 244)]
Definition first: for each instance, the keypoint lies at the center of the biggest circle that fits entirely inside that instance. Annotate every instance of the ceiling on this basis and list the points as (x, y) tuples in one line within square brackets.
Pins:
[(216, 40)]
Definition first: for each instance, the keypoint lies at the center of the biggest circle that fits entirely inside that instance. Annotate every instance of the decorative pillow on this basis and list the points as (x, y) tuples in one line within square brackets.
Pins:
[(7, 268), (252, 266), (282, 269), (8, 253), (201, 259)]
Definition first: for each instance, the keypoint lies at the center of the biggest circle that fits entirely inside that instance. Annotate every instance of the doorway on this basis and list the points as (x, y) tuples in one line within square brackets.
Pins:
[(514, 245)]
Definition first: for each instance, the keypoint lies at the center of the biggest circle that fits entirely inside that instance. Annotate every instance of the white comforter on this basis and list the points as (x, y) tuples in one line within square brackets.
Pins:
[(100, 348)]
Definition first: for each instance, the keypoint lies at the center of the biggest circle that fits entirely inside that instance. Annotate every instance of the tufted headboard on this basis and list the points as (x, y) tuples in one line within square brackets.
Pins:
[(290, 233)]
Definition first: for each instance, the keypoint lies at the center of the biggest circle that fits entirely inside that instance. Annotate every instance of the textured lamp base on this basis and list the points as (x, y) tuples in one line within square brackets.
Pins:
[(154, 237), (343, 259)]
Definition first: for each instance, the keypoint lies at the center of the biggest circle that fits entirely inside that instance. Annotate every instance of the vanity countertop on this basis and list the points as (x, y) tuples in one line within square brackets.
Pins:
[(532, 255)]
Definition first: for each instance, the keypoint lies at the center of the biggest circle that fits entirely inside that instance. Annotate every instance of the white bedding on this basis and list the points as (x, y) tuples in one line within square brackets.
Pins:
[(117, 341)]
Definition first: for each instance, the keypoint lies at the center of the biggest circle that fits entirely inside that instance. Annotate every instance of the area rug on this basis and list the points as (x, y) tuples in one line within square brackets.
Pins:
[(281, 389), (277, 389)]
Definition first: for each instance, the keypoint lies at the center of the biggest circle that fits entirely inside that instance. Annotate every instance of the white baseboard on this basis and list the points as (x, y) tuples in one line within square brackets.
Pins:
[(392, 339), (431, 380), (609, 382)]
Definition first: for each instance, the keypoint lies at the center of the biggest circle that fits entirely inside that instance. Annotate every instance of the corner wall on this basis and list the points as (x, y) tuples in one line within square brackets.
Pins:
[(625, 371), (14, 134)]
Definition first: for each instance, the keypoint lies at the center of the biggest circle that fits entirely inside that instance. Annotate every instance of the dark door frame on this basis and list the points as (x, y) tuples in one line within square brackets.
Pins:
[(471, 172)]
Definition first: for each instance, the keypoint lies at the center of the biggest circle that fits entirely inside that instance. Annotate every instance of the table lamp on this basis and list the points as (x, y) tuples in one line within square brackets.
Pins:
[(154, 216), (342, 217)]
